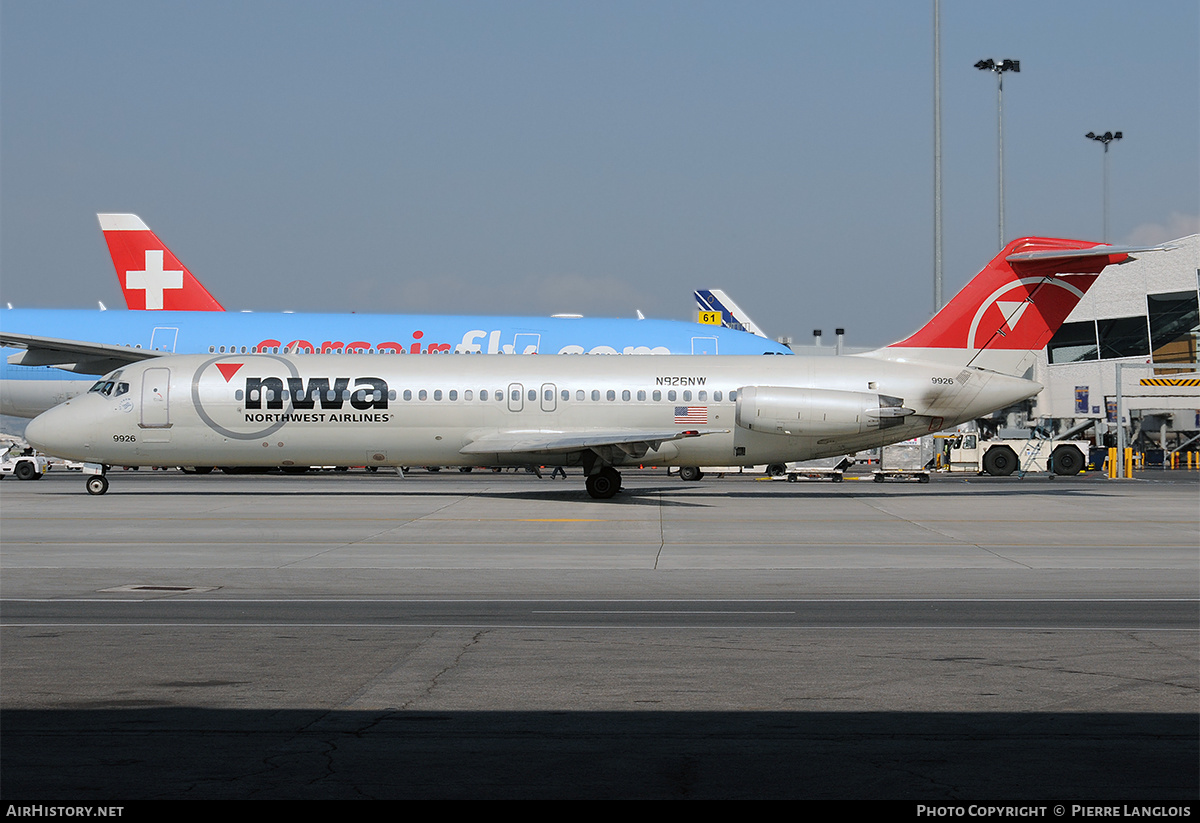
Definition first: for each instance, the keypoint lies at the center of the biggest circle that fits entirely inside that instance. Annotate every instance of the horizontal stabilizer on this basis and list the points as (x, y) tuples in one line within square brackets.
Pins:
[(1094, 251)]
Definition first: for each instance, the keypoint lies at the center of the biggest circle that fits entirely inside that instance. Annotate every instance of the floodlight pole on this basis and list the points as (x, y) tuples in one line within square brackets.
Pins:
[(937, 157), (1105, 138), (999, 67)]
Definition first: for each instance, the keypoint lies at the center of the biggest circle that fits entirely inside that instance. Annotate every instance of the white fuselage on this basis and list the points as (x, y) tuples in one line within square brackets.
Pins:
[(261, 410)]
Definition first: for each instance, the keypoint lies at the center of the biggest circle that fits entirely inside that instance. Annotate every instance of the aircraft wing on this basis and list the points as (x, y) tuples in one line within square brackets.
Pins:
[(633, 442), (72, 355)]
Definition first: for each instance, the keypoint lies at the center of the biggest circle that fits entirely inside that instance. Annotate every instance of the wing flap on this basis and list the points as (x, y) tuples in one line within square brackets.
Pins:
[(630, 441)]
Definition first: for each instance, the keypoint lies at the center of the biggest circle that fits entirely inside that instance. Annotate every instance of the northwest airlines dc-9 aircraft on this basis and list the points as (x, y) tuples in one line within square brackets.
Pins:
[(600, 413), (182, 317)]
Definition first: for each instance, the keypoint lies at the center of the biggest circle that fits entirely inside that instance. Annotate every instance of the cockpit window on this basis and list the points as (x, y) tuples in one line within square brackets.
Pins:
[(122, 388), (98, 386)]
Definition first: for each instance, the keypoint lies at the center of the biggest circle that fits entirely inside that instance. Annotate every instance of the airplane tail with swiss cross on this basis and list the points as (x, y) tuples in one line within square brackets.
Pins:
[(151, 277), (1012, 308)]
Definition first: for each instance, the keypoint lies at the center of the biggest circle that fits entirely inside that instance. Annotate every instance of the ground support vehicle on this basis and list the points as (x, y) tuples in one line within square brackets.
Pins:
[(830, 468), (908, 460), (1004, 456), (25, 465)]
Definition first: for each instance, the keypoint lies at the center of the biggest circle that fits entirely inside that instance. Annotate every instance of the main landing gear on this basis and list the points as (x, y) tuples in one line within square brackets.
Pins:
[(604, 484)]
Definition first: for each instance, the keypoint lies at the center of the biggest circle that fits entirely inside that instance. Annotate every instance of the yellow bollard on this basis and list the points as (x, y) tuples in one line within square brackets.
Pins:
[(1111, 463), (1128, 462)]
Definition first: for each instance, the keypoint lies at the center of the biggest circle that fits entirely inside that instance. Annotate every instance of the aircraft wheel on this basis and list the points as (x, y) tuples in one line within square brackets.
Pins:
[(465, 469), (1000, 461), (25, 470), (690, 473), (1066, 461), (604, 485), (776, 470), (97, 484)]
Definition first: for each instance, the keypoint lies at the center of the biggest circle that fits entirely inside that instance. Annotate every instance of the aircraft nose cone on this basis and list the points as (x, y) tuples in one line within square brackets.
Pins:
[(36, 431), (47, 433)]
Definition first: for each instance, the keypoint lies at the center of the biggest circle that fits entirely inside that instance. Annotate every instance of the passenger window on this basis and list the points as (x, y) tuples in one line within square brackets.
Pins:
[(671, 395), (565, 395), (483, 394), (422, 395), (579, 395), (610, 394), (732, 396), (641, 395), (437, 394), (702, 396), (717, 396), (687, 395), (408, 394), (595, 394), (656, 396), (625, 395)]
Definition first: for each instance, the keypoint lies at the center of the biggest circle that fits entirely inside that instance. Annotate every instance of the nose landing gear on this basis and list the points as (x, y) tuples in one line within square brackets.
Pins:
[(97, 484)]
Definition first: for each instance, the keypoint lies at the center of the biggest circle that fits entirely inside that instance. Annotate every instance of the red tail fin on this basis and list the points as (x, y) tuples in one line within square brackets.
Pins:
[(150, 276), (1013, 307)]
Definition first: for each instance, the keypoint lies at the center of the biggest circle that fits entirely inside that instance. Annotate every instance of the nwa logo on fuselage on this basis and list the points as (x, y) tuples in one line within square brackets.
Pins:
[(318, 392)]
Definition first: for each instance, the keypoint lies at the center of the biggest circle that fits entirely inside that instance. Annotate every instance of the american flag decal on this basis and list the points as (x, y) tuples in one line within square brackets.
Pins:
[(691, 414)]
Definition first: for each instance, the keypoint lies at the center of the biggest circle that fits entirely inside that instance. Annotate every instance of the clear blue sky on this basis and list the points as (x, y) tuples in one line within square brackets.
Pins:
[(595, 157)]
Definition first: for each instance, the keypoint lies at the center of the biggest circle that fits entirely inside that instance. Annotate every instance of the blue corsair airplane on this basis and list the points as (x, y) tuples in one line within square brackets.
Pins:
[(171, 312)]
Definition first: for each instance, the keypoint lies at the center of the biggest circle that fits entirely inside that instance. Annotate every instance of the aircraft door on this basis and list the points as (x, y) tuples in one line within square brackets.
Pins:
[(156, 399), (549, 401), (163, 338), (704, 345), (516, 397), (526, 343)]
